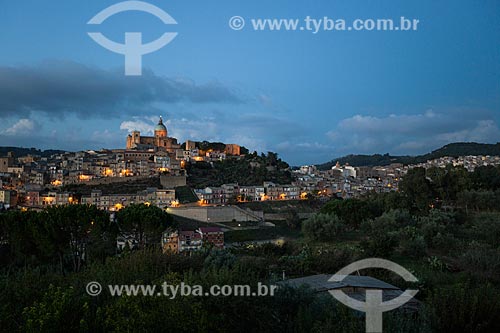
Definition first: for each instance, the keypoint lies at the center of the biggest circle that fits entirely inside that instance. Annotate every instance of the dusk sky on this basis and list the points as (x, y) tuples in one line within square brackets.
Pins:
[(309, 97)]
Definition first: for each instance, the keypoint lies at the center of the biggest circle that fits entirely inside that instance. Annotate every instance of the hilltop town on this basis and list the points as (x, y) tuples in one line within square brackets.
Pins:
[(160, 171)]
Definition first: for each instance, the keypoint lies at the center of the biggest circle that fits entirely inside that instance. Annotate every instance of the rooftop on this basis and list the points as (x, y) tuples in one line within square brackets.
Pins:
[(320, 282)]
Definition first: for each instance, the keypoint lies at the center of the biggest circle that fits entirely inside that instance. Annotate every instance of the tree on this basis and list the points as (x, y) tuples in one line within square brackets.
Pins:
[(293, 219), (417, 188), (58, 311), (448, 182), (352, 211), (146, 222), (464, 307), (486, 177), (383, 232), (322, 227), (19, 231), (72, 227)]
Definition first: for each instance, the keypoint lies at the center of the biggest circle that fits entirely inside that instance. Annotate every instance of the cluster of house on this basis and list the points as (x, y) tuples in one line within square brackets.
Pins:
[(8, 198), (181, 241), (468, 162), (39, 179), (143, 155), (91, 166), (150, 196), (36, 181), (178, 241), (154, 196), (347, 181), (228, 193)]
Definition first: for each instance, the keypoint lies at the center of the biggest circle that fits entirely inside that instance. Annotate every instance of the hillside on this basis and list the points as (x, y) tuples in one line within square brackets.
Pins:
[(251, 169), (20, 151), (216, 146), (452, 150)]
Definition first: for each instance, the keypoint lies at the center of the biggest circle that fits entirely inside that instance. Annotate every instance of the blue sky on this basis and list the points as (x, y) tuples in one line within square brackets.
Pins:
[(309, 97)]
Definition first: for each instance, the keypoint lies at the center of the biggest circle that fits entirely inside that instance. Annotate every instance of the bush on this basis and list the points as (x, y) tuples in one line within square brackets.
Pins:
[(353, 211), (383, 233), (412, 243), (445, 242), (218, 259), (58, 311), (381, 245), (481, 259), (464, 308), (322, 227), (486, 226), (430, 229), (414, 247), (329, 261)]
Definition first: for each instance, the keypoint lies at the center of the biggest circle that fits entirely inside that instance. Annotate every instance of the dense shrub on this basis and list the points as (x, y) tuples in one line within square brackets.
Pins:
[(486, 227), (383, 233), (322, 227), (464, 308), (481, 259), (353, 211)]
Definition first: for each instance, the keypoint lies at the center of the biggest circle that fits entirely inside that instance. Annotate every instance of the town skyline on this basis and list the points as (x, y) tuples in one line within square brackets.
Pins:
[(308, 96), (250, 166), (321, 162)]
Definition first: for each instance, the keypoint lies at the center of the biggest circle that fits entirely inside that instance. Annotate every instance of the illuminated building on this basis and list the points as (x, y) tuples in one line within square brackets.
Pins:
[(160, 140)]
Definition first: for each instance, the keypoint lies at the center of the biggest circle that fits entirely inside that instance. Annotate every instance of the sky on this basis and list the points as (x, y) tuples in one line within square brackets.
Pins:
[(308, 96)]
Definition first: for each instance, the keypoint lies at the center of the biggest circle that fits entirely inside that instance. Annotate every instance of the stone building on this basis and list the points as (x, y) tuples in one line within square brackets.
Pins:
[(160, 140)]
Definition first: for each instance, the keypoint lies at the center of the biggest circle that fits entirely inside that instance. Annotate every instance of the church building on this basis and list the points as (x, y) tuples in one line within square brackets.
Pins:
[(160, 140)]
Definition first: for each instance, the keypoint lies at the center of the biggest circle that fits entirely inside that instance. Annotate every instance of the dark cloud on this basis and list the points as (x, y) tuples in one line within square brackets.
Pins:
[(58, 88), (73, 139)]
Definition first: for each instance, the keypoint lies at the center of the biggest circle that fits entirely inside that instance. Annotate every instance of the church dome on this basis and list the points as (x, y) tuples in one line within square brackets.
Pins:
[(160, 126), (160, 130)]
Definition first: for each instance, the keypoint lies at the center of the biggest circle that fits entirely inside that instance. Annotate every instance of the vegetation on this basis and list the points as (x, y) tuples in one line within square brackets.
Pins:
[(145, 222), (443, 226), (217, 146), (19, 151), (69, 238), (322, 227), (251, 169)]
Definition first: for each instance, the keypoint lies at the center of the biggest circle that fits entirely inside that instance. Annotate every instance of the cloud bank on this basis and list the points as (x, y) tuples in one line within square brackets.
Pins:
[(59, 88), (21, 127), (413, 134)]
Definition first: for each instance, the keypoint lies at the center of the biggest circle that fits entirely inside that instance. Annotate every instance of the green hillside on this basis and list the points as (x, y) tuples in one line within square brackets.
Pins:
[(251, 169), (452, 150), (20, 152)]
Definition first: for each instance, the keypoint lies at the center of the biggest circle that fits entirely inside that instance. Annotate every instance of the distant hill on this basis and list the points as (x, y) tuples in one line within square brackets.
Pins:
[(452, 150), (20, 152)]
